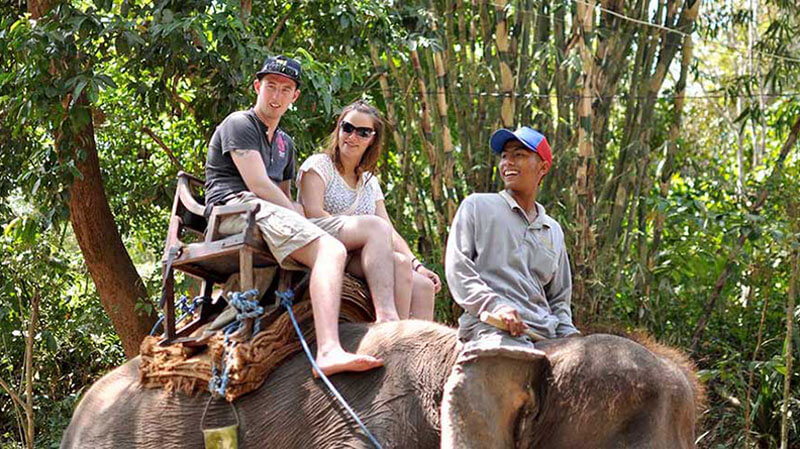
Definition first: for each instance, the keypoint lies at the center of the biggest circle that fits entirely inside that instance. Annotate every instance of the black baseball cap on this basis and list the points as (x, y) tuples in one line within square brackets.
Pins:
[(283, 66)]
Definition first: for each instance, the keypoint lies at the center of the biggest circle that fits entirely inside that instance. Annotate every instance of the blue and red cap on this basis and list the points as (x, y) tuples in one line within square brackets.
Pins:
[(530, 138)]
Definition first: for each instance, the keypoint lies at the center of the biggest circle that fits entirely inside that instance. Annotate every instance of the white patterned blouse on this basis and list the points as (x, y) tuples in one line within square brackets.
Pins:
[(339, 197)]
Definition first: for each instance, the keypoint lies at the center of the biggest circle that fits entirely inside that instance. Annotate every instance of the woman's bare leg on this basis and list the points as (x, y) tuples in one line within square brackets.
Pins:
[(373, 236), (402, 280), (422, 297), (402, 285)]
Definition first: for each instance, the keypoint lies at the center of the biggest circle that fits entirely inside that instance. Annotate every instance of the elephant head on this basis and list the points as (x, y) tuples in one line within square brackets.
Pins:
[(600, 391)]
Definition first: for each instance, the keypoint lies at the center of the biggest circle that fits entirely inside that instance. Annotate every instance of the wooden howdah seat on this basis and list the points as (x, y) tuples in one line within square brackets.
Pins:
[(194, 246)]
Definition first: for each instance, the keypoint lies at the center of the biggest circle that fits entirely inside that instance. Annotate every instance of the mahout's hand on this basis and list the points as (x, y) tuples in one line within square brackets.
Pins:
[(512, 320)]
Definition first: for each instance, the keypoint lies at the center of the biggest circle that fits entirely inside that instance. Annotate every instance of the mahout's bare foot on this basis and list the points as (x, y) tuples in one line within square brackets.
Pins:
[(340, 361)]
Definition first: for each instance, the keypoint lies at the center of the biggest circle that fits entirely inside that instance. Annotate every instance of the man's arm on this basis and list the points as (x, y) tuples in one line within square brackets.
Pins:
[(254, 173), (285, 187), (559, 295), (466, 285)]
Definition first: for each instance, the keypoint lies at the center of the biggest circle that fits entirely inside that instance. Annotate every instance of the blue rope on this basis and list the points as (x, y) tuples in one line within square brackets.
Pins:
[(246, 308), (286, 301), (187, 310)]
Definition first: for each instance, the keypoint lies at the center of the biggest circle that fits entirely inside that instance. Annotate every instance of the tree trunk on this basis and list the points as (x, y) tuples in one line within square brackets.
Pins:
[(116, 280), (29, 343), (115, 277)]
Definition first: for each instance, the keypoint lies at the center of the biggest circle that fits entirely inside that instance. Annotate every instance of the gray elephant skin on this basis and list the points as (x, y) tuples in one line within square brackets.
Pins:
[(599, 391)]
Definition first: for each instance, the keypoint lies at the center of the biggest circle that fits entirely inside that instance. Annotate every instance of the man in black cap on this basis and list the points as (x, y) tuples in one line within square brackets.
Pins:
[(252, 160)]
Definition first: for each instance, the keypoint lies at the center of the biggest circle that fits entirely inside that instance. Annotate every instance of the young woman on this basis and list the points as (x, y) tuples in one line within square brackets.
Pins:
[(340, 181)]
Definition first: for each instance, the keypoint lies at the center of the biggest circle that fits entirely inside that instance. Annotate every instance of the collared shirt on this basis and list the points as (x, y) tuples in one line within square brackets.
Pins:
[(496, 257)]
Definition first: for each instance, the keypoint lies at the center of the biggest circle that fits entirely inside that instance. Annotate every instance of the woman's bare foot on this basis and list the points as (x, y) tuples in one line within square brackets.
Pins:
[(386, 315), (340, 361)]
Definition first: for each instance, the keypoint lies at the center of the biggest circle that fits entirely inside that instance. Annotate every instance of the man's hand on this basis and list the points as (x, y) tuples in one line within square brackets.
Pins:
[(437, 283), (299, 208), (511, 318)]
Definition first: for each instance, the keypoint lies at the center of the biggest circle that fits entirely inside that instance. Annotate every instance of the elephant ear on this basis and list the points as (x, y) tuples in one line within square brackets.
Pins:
[(489, 389)]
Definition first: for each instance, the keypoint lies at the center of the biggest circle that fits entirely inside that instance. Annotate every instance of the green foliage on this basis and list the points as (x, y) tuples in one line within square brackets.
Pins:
[(74, 342)]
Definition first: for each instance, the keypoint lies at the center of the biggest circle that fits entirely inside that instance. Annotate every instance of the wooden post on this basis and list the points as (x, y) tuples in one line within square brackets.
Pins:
[(246, 281)]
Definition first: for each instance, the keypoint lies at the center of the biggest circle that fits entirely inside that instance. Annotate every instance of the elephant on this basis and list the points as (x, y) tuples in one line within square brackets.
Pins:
[(597, 391)]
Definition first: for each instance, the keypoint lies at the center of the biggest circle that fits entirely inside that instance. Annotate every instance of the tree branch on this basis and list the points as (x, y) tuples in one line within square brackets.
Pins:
[(29, 339), (14, 397), (279, 26), (161, 143)]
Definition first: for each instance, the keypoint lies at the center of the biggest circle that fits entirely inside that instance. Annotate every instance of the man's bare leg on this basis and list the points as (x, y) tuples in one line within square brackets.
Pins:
[(373, 236), (326, 257)]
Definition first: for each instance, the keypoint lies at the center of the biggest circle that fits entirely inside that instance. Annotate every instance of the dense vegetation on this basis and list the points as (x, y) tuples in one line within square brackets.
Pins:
[(674, 127)]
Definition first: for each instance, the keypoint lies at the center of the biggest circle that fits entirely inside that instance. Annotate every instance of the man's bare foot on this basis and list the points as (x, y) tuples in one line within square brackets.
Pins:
[(340, 361)]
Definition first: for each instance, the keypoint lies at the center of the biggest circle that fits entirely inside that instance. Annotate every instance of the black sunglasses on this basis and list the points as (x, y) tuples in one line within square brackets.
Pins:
[(361, 131)]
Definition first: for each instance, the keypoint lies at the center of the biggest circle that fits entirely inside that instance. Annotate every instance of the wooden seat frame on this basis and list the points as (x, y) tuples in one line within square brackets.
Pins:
[(212, 260)]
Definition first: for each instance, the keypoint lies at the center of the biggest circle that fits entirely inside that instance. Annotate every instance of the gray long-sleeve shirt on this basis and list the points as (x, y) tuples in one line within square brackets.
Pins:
[(496, 257)]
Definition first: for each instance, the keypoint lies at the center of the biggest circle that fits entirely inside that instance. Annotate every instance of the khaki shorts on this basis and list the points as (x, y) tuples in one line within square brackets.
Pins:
[(332, 224), (285, 231)]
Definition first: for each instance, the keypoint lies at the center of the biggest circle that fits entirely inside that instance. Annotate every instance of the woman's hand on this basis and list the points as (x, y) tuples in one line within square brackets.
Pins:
[(437, 283)]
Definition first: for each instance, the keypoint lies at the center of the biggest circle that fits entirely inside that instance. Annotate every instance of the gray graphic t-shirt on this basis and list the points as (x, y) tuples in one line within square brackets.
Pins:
[(243, 130)]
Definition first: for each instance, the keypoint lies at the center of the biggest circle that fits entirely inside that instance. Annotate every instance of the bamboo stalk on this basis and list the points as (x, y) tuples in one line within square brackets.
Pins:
[(425, 116), (504, 64), (787, 379), (671, 145), (584, 178), (408, 180), (388, 98), (427, 135), (444, 121), (459, 103), (560, 77), (543, 119)]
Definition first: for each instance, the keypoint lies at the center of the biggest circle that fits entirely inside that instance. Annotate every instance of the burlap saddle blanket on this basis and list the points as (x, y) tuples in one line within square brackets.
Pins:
[(189, 369)]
